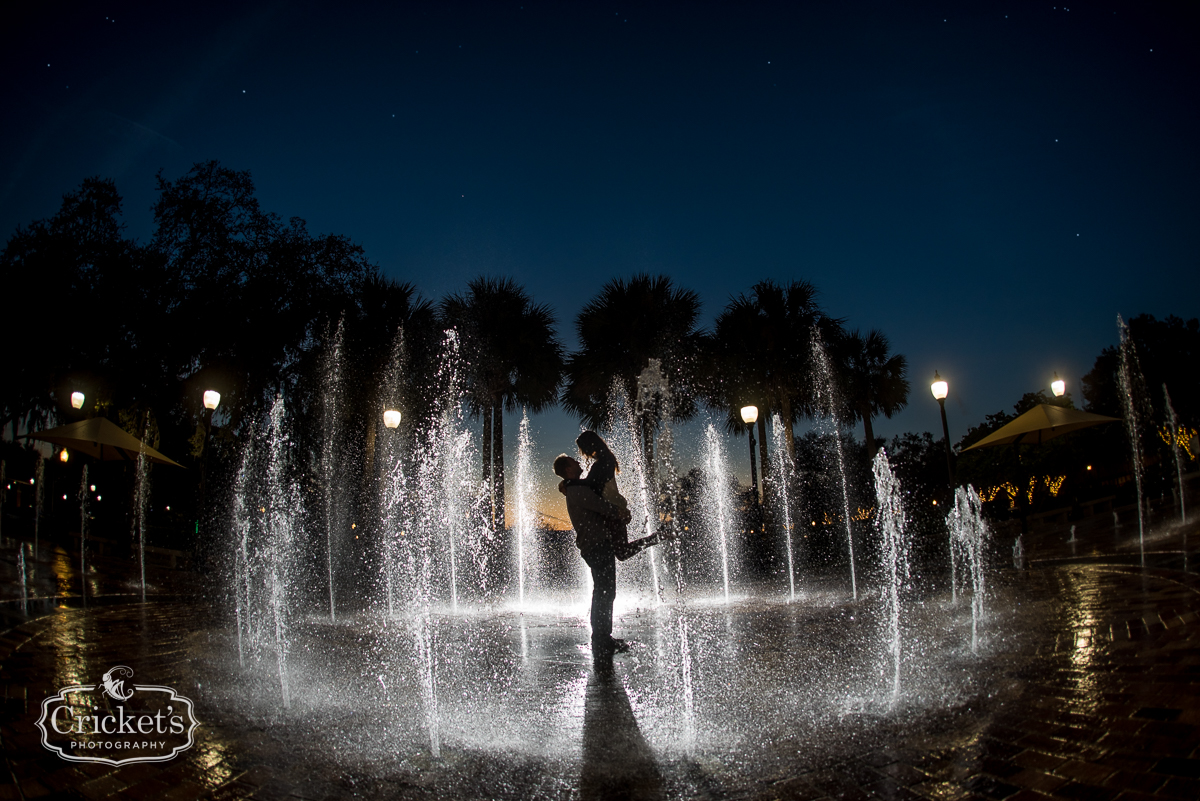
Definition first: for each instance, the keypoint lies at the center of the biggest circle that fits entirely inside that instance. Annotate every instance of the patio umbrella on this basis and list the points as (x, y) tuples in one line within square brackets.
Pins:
[(1042, 422), (102, 439)]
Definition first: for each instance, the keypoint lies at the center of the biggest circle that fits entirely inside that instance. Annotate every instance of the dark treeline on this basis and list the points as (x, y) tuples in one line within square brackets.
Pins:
[(230, 297)]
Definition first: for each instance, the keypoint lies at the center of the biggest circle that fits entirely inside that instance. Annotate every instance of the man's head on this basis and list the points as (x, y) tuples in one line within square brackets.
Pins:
[(567, 467)]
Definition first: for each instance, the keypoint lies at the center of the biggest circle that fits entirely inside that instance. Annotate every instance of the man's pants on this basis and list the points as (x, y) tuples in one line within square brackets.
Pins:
[(604, 591)]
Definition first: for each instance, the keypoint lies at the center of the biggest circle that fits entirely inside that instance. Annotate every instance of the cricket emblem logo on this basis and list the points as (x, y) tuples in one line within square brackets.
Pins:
[(117, 724), (114, 687)]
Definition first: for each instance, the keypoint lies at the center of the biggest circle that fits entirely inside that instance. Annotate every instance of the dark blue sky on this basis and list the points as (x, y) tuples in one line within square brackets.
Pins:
[(988, 183)]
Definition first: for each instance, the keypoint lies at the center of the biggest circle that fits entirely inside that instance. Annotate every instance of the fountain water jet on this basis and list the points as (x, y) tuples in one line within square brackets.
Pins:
[(266, 515), (241, 555), (141, 496), (968, 529), (623, 436), (651, 391), (332, 402), (1173, 422), (783, 479), (1130, 378), (892, 527), (393, 489), (718, 489), (826, 401), (39, 491), (283, 503), (21, 570), (526, 514)]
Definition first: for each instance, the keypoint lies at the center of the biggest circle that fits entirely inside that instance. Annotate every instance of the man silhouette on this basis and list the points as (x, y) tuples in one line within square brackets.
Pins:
[(594, 519)]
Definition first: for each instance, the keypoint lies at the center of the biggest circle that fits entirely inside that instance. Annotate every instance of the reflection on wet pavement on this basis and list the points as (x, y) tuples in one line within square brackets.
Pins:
[(1088, 687)]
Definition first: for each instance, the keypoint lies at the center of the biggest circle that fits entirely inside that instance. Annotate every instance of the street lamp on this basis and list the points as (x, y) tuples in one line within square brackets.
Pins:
[(212, 399), (391, 418), (1058, 385), (940, 390), (750, 417), (76, 400), (64, 456)]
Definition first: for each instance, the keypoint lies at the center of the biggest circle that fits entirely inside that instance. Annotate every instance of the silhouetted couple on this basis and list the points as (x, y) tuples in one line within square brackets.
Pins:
[(599, 515)]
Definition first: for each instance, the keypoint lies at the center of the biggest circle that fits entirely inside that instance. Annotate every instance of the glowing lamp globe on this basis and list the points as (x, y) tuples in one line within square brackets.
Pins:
[(939, 387), (64, 456), (76, 400), (212, 399), (391, 418), (749, 414), (1058, 385)]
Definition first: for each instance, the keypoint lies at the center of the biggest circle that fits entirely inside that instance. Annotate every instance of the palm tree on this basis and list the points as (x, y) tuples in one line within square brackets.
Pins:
[(874, 378), (380, 310), (620, 330), (514, 359), (761, 354)]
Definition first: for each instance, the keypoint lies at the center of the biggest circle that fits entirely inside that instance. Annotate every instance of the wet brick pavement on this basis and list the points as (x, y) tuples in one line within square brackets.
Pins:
[(1105, 704)]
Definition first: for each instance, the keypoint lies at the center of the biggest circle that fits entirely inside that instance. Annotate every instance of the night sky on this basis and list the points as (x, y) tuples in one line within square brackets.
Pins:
[(988, 183)]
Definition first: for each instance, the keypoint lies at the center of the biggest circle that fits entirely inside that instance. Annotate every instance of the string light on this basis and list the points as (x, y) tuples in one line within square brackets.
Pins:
[(1183, 438), (864, 514), (1052, 483)]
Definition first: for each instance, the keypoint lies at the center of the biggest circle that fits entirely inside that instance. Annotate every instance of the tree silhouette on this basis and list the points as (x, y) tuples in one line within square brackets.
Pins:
[(875, 379), (248, 292), (108, 300), (514, 360), (620, 330), (761, 353)]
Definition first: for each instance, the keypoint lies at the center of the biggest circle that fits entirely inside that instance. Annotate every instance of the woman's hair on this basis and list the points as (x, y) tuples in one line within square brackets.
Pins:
[(592, 445)]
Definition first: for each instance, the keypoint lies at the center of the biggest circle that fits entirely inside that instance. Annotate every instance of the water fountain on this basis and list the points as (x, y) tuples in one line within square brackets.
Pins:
[(720, 506), (784, 479), (442, 666), (39, 493), (526, 514), (1130, 378), (332, 402), (892, 527), (623, 434), (267, 516), (652, 394), (393, 483), (827, 402), (141, 498), (21, 572), (970, 532), (1173, 427)]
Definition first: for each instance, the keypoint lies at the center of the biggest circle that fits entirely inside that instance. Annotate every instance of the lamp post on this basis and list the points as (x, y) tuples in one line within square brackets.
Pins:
[(391, 418), (750, 417), (77, 400), (940, 389), (1058, 386), (212, 399)]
